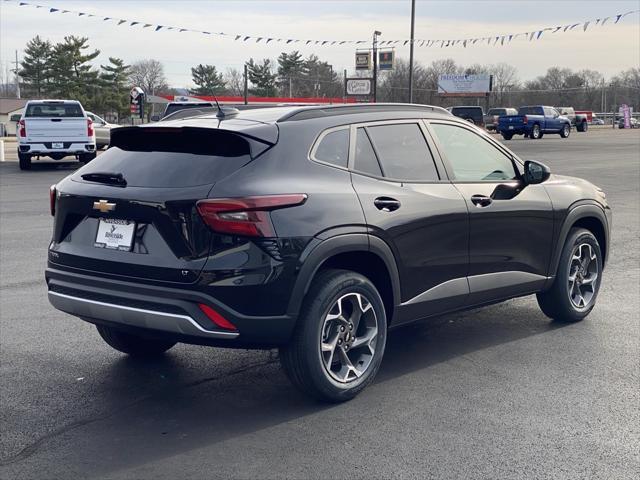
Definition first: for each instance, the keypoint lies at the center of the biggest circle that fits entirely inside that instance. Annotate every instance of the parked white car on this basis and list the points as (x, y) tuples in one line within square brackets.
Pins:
[(102, 129), (55, 129)]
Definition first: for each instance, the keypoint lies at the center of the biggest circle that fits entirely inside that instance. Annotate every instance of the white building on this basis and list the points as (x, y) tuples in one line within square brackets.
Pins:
[(10, 111)]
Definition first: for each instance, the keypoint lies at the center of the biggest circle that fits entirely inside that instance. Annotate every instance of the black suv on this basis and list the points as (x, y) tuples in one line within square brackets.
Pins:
[(315, 230)]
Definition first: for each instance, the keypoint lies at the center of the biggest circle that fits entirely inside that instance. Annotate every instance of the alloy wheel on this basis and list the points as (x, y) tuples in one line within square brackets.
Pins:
[(349, 338), (583, 276)]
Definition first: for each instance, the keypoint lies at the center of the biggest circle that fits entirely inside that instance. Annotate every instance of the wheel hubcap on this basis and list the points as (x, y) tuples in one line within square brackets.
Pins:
[(583, 274), (349, 338)]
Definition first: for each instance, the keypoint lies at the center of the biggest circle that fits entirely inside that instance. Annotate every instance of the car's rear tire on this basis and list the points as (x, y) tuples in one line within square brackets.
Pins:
[(25, 161), (507, 136), (134, 345), (536, 132), (566, 131), (575, 288), (339, 341), (86, 157), (582, 126)]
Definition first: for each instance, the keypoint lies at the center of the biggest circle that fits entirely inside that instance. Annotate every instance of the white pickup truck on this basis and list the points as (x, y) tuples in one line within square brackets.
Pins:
[(55, 129)]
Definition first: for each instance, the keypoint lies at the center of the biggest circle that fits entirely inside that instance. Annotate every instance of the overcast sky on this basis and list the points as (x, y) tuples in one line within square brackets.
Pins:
[(608, 48)]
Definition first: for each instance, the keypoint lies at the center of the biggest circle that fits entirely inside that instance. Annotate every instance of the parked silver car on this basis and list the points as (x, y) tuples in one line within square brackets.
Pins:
[(102, 129)]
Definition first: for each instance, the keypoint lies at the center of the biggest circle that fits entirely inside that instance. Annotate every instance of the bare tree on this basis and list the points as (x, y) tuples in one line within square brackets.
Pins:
[(149, 75), (234, 79)]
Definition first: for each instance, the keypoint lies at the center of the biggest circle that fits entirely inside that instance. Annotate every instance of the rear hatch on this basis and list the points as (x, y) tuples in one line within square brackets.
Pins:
[(132, 211), (55, 122)]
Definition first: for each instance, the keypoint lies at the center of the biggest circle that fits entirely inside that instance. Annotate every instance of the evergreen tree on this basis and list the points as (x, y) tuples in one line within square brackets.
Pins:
[(207, 80), (114, 80), (72, 74), (35, 71), (319, 79), (290, 67), (262, 78)]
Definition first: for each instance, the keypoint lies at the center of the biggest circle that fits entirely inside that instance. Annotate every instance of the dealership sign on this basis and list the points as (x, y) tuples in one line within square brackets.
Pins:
[(363, 60), (385, 60), (358, 86), (464, 85)]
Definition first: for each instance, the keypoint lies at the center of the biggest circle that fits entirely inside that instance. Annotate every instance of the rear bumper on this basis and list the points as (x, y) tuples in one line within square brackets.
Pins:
[(69, 148), (161, 311)]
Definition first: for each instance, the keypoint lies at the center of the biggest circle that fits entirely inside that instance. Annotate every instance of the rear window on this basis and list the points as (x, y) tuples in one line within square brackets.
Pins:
[(171, 157), (58, 110), (171, 108), (497, 111), (530, 111), (467, 112)]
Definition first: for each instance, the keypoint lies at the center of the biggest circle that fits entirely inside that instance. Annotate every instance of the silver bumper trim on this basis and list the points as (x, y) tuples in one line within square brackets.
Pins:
[(135, 317)]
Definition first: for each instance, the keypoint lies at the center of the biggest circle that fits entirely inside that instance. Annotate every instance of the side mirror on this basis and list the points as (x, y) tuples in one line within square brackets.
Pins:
[(535, 172), (155, 118)]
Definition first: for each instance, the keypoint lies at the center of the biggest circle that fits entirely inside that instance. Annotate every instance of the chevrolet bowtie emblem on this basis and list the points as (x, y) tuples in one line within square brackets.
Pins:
[(104, 206)]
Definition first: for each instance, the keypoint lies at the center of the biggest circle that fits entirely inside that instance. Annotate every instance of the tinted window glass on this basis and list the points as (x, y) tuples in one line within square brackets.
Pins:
[(174, 107), (61, 110), (366, 160), (162, 158), (530, 111), (403, 152), (472, 157), (334, 148)]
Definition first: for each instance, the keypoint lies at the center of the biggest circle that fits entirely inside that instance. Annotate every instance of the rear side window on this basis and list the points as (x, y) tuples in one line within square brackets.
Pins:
[(403, 152), (56, 110), (171, 157), (366, 160), (334, 148)]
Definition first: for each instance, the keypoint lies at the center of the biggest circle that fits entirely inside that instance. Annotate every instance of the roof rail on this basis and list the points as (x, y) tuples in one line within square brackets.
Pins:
[(351, 109)]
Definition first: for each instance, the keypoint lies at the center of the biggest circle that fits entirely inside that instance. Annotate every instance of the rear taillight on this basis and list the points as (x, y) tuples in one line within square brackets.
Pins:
[(52, 199), (23, 128), (525, 120), (245, 216), (89, 127), (216, 318)]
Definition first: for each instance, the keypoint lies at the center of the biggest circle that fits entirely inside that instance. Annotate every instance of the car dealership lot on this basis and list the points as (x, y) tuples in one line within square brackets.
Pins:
[(499, 392)]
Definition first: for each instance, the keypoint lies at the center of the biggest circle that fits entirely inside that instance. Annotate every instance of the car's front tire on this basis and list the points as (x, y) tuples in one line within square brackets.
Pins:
[(134, 345), (575, 288), (339, 341), (507, 136), (566, 131), (25, 161)]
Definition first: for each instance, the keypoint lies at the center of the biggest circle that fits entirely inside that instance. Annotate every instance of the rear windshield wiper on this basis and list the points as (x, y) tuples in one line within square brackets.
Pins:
[(110, 178)]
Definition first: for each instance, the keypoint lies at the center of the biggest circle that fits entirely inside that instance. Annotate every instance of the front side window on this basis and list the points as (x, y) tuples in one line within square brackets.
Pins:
[(334, 148), (403, 152), (471, 157)]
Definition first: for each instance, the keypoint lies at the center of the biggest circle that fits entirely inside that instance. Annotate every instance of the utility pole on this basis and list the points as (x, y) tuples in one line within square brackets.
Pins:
[(246, 85), (17, 76), (375, 65), (413, 25)]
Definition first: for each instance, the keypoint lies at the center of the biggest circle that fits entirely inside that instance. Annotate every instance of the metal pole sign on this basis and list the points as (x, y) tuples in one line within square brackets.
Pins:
[(363, 60), (137, 97), (385, 60), (361, 88)]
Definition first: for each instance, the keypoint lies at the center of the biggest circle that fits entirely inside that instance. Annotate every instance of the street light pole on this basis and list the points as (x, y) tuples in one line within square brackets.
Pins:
[(413, 25), (375, 65)]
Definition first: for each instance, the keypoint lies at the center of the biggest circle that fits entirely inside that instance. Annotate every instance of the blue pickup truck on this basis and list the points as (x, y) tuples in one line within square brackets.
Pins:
[(534, 122)]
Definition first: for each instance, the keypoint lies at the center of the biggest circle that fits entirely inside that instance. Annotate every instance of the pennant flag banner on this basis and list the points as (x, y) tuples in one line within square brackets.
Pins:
[(492, 40)]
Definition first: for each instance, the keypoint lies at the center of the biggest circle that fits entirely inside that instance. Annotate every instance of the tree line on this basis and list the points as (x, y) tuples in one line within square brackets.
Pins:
[(69, 69)]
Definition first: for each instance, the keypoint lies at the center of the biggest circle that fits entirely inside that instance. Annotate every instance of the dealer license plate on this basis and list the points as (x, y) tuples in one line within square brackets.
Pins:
[(115, 234)]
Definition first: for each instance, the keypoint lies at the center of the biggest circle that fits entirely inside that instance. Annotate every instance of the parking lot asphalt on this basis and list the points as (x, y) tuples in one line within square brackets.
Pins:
[(500, 392)]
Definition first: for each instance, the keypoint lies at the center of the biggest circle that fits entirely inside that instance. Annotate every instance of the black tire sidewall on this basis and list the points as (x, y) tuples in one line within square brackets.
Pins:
[(340, 284), (575, 238)]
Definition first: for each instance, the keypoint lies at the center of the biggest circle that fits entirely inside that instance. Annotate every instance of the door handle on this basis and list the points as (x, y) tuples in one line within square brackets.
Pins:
[(386, 204), (481, 200)]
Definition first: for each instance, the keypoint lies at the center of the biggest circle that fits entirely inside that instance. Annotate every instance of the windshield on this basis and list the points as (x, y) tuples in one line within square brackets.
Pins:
[(58, 110)]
